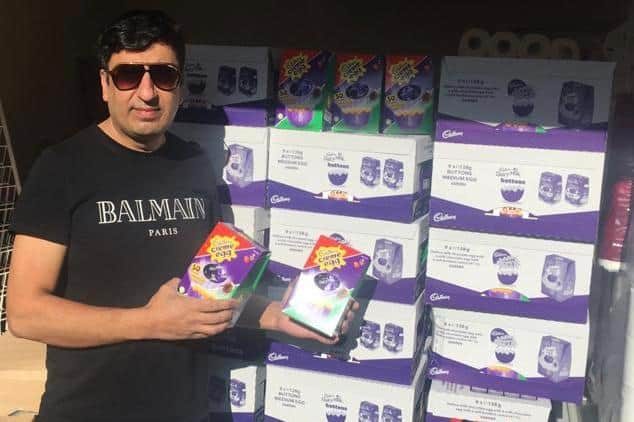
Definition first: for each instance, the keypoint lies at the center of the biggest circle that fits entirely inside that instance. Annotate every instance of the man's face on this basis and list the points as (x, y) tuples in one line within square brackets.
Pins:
[(145, 112)]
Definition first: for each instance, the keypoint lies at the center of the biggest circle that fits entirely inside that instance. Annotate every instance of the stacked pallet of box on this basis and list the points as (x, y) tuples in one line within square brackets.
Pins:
[(332, 173), (516, 188)]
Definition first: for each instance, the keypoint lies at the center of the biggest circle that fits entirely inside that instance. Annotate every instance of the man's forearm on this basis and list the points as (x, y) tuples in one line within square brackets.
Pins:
[(64, 323)]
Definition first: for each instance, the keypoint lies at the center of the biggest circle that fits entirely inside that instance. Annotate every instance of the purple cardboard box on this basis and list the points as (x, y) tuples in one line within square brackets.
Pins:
[(227, 85), (546, 104), (355, 105), (305, 81), (228, 265), (321, 295), (408, 101)]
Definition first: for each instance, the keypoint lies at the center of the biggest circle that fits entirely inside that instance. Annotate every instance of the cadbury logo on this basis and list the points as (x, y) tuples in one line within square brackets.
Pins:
[(437, 371), (274, 357), (446, 134), (277, 199), (441, 216), (435, 297)]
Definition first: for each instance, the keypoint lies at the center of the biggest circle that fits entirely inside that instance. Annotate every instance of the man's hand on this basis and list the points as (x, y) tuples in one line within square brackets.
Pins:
[(274, 319), (171, 316)]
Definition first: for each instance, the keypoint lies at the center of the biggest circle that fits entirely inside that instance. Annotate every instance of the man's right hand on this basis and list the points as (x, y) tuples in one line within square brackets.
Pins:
[(171, 316)]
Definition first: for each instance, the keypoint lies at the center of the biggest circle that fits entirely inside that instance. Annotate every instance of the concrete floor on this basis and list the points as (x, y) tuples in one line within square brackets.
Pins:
[(22, 376)]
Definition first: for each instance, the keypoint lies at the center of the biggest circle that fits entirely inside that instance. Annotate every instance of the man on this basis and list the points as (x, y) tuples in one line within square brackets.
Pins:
[(88, 272)]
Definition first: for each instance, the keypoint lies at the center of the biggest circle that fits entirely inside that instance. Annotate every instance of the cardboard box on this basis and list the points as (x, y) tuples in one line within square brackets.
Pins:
[(516, 355), (236, 388), (517, 191), (301, 395), (254, 221), (368, 176), (408, 99), (398, 250), (239, 159), (386, 344), (228, 265), (355, 104), (509, 275), (322, 294), (545, 104), (448, 402), (226, 85), (303, 87)]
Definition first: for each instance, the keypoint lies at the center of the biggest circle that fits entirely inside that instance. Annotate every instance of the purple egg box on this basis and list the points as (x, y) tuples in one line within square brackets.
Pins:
[(370, 171), (393, 174), (576, 104), (554, 359), (305, 81), (322, 293), (237, 393), (355, 104), (368, 412), (577, 189), (370, 335), (227, 79), (391, 414), (550, 187), (239, 168), (408, 94), (248, 81), (393, 338), (387, 263), (558, 278), (228, 265)]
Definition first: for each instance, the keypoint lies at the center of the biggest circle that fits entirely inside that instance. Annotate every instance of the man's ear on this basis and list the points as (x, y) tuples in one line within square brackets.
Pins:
[(105, 84)]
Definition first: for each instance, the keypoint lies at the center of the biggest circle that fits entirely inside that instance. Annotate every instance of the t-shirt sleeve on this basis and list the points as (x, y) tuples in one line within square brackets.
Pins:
[(42, 209)]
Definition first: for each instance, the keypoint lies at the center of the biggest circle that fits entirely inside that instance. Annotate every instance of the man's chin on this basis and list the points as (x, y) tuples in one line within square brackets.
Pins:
[(148, 131)]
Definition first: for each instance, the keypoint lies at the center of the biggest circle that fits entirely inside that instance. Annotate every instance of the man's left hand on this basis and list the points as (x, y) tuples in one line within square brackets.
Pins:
[(274, 319)]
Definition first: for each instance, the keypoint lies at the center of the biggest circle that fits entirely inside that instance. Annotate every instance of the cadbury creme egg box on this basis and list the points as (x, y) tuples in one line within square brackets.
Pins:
[(228, 265), (323, 291)]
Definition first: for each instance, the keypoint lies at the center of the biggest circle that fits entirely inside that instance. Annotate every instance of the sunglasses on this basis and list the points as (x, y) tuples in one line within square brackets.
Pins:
[(128, 76)]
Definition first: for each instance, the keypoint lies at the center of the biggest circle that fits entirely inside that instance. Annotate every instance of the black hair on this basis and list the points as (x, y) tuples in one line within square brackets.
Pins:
[(137, 30)]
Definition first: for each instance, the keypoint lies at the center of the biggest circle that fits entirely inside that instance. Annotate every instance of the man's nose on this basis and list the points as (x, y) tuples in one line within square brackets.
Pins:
[(146, 90)]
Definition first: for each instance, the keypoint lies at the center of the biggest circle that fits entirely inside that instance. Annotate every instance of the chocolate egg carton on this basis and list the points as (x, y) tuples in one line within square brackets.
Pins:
[(408, 101), (368, 176), (517, 191), (228, 265), (338, 397), (516, 355), (226, 85), (509, 275), (525, 103)]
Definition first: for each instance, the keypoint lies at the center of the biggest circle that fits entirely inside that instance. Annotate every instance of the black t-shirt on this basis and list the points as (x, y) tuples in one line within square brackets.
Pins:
[(131, 221)]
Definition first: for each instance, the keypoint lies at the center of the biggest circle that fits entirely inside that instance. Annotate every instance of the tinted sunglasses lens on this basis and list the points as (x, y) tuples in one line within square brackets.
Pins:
[(127, 76), (164, 76)]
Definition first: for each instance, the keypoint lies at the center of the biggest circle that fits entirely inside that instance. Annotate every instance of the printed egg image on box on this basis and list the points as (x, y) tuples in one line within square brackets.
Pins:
[(228, 265)]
